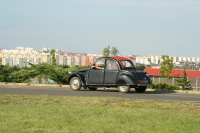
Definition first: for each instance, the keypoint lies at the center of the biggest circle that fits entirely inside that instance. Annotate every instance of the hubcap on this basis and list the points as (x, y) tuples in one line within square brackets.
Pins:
[(75, 84), (123, 88)]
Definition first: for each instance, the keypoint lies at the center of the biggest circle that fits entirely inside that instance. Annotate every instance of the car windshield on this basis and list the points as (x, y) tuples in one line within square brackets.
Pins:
[(127, 63)]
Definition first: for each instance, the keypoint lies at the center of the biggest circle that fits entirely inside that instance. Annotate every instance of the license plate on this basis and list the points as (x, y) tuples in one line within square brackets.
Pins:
[(145, 81)]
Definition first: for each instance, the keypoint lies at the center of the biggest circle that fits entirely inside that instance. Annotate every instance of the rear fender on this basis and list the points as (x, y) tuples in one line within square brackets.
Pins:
[(126, 80)]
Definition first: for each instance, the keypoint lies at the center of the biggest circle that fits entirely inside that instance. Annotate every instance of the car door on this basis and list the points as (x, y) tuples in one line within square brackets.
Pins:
[(111, 71), (96, 75)]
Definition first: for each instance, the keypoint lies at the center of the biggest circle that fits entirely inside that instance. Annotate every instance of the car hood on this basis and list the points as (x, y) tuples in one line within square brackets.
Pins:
[(83, 70)]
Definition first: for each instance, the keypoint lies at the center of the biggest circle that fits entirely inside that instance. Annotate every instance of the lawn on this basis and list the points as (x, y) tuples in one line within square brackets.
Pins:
[(64, 114)]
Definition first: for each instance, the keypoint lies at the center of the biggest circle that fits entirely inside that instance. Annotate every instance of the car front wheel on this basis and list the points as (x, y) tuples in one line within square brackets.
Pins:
[(141, 89), (75, 84), (124, 89)]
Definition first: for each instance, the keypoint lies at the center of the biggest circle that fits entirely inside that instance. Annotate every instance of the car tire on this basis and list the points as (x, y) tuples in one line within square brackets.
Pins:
[(141, 89), (123, 89), (92, 88), (75, 84)]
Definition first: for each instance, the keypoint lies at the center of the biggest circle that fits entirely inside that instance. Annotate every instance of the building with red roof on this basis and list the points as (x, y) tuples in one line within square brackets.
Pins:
[(174, 73)]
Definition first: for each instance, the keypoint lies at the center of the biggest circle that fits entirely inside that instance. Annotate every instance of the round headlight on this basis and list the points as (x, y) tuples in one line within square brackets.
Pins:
[(69, 72)]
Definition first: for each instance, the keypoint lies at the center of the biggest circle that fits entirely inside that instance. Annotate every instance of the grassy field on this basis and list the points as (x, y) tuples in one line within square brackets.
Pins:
[(64, 114)]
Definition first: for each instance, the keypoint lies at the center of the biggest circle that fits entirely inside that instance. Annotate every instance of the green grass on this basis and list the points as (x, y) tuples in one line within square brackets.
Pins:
[(64, 114)]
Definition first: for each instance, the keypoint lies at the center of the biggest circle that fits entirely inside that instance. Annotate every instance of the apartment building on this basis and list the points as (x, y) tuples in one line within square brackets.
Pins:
[(21, 56), (157, 60)]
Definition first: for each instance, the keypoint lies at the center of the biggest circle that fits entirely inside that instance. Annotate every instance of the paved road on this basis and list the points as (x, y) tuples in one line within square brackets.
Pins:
[(66, 91)]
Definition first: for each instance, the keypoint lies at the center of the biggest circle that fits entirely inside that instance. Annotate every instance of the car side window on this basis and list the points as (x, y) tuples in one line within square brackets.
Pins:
[(99, 64), (111, 65)]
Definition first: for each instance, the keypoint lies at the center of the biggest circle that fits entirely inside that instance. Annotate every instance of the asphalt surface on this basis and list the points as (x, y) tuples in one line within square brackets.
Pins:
[(66, 91)]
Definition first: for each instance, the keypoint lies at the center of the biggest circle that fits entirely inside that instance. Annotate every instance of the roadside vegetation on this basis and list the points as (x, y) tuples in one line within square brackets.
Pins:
[(65, 114), (182, 83), (45, 71), (165, 70)]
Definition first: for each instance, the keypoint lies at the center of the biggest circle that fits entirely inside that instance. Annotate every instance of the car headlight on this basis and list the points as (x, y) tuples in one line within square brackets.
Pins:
[(69, 72)]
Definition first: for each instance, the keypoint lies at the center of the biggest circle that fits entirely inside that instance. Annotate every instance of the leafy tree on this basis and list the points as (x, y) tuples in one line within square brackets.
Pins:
[(140, 67), (41, 72), (75, 68), (184, 82), (114, 51), (164, 86), (4, 72), (56, 73), (59, 74), (166, 66), (106, 51), (53, 58), (22, 76)]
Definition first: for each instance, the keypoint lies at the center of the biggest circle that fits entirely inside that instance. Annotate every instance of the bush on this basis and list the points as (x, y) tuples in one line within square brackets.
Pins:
[(59, 74), (75, 68), (164, 86), (22, 76)]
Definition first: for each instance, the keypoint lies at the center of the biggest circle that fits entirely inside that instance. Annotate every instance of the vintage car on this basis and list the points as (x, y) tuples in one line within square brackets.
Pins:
[(118, 72)]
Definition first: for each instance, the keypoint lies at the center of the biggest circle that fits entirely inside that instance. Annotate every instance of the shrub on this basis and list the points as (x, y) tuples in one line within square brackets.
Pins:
[(164, 86)]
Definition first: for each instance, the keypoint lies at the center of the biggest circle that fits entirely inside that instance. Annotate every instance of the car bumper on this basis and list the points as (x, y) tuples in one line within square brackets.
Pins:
[(145, 84)]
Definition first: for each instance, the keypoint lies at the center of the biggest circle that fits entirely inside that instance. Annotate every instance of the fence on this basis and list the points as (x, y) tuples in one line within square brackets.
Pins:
[(194, 82)]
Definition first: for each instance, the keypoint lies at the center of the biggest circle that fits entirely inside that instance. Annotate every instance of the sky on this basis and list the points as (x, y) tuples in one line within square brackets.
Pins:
[(134, 27)]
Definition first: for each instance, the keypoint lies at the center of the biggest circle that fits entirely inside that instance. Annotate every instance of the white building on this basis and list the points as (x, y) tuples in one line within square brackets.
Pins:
[(46, 49), (20, 48), (22, 62), (7, 61), (28, 49)]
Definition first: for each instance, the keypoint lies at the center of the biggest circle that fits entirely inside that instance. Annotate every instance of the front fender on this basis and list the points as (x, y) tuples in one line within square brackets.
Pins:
[(126, 80), (80, 76)]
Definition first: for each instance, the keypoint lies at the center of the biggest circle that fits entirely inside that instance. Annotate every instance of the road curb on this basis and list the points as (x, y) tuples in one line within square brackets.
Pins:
[(28, 84), (175, 91), (57, 85)]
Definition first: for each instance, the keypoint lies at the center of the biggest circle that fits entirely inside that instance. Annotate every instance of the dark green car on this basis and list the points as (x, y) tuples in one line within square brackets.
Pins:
[(117, 72)]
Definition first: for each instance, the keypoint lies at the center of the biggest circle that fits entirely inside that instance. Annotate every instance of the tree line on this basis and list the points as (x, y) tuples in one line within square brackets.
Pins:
[(59, 74)]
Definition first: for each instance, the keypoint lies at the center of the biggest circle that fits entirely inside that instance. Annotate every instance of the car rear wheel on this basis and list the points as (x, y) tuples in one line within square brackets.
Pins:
[(124, 89), (141, 89), (92, 88), (75, 84)]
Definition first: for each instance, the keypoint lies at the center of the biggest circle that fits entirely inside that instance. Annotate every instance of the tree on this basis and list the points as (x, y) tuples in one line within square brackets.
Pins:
[(56, 73), (53, 59), (4, 72), (140, 67), (166, 66), (184, 82), (22, 76), (114, 51), (106, 51)]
